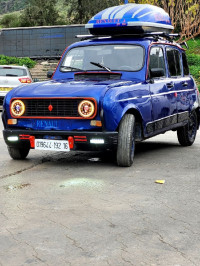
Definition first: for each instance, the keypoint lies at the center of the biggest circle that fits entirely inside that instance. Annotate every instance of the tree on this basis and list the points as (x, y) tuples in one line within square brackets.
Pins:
[(40, 13), (80, 11), (184, 14)]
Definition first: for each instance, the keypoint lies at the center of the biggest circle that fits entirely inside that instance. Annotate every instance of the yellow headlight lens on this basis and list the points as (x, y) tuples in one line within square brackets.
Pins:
[(17, 108), (86, 108)]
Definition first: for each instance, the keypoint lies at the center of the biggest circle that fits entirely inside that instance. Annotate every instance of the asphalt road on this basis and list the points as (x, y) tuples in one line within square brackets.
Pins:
[(81, 209)]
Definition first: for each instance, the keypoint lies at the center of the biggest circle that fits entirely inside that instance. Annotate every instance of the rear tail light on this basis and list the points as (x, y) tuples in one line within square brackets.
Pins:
[(25, 80)]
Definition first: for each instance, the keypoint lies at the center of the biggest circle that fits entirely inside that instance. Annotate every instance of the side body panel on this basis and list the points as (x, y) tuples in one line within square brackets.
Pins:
[(164, 107), (173, 98), (117, 102)]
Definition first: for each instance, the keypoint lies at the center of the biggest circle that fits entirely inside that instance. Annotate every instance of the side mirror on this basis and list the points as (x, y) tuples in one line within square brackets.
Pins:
[(157, 72), (50, 74)]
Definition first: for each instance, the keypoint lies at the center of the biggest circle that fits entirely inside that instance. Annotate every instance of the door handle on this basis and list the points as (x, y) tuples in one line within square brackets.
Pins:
[(185, 84), (170, 85)]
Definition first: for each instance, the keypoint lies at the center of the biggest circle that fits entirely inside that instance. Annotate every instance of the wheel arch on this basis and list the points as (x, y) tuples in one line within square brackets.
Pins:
[(139, 130), (197, 110)]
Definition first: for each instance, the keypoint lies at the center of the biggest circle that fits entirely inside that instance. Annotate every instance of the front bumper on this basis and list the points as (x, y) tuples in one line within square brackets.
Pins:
[(81, 139)]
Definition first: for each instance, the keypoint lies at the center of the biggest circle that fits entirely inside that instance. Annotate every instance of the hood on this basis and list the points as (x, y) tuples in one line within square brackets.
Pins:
[(66, 88)]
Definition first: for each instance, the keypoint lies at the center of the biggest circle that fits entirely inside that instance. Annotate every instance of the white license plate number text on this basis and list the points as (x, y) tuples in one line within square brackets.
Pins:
[(51, 145)]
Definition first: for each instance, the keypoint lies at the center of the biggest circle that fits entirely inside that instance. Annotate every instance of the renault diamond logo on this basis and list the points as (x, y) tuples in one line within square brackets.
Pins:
[(50, 107)]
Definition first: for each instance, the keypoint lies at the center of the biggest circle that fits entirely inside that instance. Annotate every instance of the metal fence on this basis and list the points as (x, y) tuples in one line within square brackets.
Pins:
[(38, 42)]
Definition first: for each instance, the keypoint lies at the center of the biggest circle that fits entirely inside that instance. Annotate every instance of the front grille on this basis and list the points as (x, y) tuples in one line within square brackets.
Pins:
[(60, 107)]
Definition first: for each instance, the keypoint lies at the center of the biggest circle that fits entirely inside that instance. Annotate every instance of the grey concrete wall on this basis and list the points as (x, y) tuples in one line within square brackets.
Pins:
[(38, 42)]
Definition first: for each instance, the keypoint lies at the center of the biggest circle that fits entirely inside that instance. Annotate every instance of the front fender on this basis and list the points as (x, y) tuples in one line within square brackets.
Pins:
[(115, 107), (118, 101), (113, 116)]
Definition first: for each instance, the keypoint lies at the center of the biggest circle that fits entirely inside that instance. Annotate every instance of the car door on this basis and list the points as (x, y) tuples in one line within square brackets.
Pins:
[(181, 82), (164, 110), (186, 96)]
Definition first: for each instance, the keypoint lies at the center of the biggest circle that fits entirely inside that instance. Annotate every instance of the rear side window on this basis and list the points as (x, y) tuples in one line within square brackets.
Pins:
[(185, 65), (174, 62), (12, 72)]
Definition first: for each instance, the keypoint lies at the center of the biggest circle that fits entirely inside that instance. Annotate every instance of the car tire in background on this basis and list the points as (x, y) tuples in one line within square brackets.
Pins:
[(187, 134)]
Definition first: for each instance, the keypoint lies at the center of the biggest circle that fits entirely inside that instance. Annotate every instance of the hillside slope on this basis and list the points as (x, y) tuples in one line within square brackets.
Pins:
[(7, 6)]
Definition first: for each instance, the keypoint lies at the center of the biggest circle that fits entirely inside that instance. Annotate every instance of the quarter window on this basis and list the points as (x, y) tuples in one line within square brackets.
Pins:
[(174, 63), (185, 65)]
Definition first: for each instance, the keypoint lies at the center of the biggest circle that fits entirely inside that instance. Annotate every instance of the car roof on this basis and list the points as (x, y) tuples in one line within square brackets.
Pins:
[(14, 66)]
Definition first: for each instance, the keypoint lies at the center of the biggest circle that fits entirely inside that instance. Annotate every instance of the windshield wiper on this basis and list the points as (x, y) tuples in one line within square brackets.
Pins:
[(72, 68), (101, 66)]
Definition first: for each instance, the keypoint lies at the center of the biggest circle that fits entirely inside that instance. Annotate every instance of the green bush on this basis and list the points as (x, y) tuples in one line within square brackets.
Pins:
[(194, 45), (193, 56), (194, 65), (10, 21), (193, 59), (195, 71), (8, 60)]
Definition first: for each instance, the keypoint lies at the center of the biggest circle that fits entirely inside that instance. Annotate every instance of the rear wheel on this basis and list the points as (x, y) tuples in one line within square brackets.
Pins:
[(187, 134), (126, 141), (18, 153)]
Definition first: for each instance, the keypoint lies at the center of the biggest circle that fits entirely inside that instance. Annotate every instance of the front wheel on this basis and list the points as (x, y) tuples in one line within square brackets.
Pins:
[(126, 141), (18, 153), (187, 134)]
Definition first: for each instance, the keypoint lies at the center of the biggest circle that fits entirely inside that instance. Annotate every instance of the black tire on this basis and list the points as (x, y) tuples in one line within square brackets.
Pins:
[(187, 134), (126, 141), (18, 153)]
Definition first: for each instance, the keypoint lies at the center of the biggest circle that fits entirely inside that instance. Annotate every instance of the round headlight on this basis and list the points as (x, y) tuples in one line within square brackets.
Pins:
[(17, 108), (86, 108)]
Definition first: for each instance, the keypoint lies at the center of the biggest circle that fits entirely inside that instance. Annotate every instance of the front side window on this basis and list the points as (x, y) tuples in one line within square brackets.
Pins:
[(113, 57), (174, 63), (156, 62)]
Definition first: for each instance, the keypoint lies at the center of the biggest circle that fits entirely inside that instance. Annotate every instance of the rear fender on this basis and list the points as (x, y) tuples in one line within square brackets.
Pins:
[(197, 110)]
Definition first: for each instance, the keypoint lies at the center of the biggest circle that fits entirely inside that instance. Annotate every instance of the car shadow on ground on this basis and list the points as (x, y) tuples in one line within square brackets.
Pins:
[(107, 158), (151, 146)]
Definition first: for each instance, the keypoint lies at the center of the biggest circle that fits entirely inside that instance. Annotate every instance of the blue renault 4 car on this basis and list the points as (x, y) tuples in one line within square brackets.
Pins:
[(107, 92)]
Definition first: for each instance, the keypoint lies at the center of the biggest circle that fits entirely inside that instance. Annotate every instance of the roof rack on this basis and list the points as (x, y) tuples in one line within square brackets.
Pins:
[(156, 35), (169, 36), (90, 36)]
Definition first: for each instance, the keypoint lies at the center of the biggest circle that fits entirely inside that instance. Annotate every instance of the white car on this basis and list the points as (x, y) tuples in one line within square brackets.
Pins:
[(11, 77)]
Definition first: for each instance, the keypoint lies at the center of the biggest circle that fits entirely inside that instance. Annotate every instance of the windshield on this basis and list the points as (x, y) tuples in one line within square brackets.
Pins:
[(104, 57)]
